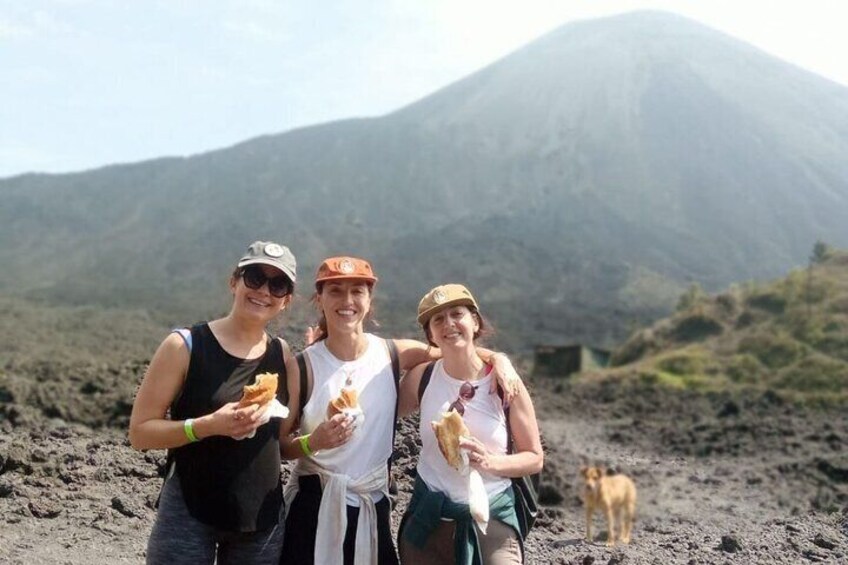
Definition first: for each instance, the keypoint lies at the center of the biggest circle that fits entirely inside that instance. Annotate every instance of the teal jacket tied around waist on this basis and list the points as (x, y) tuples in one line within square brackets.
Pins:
[(427, 508)]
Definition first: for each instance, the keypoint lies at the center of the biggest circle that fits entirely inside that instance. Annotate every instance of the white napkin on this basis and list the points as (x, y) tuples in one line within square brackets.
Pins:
[(478, 500), (357, 417), (274, 409)]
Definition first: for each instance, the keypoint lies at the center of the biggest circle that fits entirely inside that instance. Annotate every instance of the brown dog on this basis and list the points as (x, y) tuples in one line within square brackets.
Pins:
[(615, 495)]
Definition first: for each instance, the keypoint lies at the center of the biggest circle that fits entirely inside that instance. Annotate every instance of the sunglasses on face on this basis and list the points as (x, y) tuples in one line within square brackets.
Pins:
[(466, 393), (254, 278)]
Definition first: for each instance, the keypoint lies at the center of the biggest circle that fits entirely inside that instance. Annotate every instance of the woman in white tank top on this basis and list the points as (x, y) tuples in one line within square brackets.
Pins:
[(437, 527), (337, 495)]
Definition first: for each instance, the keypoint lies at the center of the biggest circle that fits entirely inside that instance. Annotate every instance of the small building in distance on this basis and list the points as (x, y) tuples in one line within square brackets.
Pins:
[(564, 360)]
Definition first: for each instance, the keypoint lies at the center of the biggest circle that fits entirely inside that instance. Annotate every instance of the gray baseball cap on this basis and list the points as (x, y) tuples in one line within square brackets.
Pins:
[(271, 254)]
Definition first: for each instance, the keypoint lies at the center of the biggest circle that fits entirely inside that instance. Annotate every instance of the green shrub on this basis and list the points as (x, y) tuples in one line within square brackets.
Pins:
[(661, 378), (840, 305), (693, 296), (769, 301), (772, 350), (683, 363), (649, 377), (816, 373), (696, 327), (833, 344), (744, 369), (639, 345), (745, 319), (728, 303)]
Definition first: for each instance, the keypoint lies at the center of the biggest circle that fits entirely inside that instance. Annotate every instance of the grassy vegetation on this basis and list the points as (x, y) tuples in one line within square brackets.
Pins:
[(789, 336)]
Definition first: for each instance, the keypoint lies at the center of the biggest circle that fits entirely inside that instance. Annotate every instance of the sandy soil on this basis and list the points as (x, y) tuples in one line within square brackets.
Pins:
[(720, 480)]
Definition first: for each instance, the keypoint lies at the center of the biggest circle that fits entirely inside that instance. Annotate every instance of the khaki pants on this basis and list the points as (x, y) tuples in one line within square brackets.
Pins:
[(499, 546)]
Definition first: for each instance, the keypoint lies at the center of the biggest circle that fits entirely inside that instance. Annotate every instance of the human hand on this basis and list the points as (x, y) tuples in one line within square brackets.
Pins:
[(236, 422), (312, 334), (331, 433), (479, 457), (505, 377)]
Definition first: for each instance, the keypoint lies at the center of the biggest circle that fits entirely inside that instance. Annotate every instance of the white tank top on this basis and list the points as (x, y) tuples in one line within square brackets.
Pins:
[(484, 417), (371, 375)]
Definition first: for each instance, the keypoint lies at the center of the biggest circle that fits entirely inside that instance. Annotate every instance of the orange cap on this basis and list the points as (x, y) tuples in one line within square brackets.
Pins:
[(336, 268)]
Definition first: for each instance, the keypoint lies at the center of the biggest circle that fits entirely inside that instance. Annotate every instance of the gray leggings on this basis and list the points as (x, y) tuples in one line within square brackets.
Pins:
[(178, 538)]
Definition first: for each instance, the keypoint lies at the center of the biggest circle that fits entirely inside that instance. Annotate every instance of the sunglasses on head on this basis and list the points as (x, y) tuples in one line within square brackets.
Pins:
[(466, 393), (254, 278)]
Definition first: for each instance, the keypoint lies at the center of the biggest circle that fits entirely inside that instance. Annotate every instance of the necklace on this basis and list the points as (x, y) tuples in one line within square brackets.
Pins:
[(349, 377)]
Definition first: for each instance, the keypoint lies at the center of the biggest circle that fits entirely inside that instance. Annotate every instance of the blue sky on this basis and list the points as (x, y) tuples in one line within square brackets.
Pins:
[(87, 83)]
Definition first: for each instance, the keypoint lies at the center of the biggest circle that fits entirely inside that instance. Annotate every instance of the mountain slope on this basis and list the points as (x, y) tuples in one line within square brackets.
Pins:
[(789, 336), (609, 152)]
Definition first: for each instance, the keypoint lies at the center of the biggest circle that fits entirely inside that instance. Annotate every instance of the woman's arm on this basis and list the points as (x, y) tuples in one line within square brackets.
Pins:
[(329, 434), (163, 381), (412, 353), (293, 386), (408, 392), (528, 457), (506, 377)]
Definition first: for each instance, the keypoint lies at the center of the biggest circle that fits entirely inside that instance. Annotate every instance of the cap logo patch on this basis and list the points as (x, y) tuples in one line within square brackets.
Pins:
[(273, 250), (439, 296), (346, 266)]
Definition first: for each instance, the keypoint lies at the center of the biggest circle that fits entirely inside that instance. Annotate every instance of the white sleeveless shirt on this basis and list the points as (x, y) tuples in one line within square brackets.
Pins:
[(371, 375), (485, 419)]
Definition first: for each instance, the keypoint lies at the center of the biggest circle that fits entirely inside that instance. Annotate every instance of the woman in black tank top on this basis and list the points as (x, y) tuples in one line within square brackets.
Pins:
[(222, 497)]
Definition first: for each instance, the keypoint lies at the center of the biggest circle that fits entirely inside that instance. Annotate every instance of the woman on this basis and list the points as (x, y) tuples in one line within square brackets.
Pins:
[(337, 496), (222, 497), (437, 526)]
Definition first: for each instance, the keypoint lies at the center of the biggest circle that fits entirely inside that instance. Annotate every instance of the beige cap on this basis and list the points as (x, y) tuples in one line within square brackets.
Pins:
[(440, 298)]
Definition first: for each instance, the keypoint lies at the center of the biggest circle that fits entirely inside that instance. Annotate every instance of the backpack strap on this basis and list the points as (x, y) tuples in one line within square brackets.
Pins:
[(425, 380), (301, 365), (395, 359), (393, 355), (510, 447)]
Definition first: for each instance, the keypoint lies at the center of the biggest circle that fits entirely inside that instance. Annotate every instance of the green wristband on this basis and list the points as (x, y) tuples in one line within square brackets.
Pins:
[(188, 428), (304, 445)]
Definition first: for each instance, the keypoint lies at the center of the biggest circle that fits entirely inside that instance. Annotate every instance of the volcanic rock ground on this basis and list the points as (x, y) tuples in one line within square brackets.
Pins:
[(720, 480)]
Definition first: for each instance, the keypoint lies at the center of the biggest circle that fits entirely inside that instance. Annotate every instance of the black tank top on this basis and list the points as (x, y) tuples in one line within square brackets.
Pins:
[(230, 484)]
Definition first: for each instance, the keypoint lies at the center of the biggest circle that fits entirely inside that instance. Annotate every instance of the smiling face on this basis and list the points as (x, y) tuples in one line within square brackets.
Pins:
[(258, 303), (345, 304), (453, 327)]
